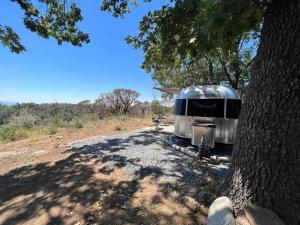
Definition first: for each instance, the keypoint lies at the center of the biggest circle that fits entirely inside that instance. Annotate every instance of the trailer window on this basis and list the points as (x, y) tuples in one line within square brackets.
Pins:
[(233, 108), (180, 105), (206, 107)]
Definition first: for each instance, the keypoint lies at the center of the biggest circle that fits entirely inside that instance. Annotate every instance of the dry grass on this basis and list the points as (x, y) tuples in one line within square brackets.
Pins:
[(40, 146), (87, 129)]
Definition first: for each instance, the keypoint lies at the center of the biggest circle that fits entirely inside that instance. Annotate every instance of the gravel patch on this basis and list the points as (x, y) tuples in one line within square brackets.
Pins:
[(143, 153)]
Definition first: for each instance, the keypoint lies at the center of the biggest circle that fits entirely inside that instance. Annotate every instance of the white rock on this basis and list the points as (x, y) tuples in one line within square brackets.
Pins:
[(220, 212)]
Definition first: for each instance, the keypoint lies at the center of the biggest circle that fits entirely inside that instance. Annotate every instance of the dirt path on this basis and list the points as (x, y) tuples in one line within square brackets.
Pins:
[(50, 148), (130, 178)]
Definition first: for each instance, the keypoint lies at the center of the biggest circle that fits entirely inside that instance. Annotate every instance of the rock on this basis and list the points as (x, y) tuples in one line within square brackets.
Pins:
[(220, 212), (69, 145), (176, 147), (214, 159), (90, 219), (154, 206), (261, 216)]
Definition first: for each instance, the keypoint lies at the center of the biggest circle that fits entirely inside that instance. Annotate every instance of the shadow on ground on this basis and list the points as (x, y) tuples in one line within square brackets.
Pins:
[(82, 189)]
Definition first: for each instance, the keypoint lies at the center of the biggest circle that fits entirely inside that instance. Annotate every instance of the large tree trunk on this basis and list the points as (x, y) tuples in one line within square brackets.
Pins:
[(266, 158)]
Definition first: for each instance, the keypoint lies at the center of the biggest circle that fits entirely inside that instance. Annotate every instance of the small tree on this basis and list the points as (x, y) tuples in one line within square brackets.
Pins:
[(119, 100), (100, 108), (127, 98)]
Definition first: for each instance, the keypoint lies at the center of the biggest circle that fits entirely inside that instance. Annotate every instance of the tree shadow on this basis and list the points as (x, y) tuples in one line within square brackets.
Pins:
[(50, 192), (88, 186)]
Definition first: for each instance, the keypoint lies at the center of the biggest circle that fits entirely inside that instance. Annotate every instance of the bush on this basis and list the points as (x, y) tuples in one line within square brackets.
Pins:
[(8, 133), (92, 117), (34, 138), (52, 130), (57, 123), (11, 133), (21, 134), (77, 123), (23, 120), (118, 128), (157, 108)]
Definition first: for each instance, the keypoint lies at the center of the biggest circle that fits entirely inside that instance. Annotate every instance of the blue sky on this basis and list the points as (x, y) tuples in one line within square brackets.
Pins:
[(51, 73)]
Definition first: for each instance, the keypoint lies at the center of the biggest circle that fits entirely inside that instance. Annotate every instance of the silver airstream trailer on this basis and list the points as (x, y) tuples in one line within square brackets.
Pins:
[(214, 104)]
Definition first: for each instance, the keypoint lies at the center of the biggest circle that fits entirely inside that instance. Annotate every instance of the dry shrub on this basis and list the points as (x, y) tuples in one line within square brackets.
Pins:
[(118, 128)]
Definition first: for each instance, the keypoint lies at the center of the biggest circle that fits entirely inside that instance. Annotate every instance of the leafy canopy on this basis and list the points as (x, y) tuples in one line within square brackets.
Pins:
[(47, 18), (179, 30), (185, 42), (193, 41), (192, 24)]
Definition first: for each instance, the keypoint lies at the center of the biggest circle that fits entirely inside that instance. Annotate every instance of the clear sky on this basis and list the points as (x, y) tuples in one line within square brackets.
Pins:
[(47, 72)]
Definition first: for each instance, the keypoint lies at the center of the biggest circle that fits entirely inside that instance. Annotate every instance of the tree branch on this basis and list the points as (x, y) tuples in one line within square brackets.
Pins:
[(249, 63), (227, 74)]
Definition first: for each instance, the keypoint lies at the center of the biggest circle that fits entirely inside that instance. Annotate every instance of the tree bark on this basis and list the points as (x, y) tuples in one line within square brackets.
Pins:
[(265, 169)]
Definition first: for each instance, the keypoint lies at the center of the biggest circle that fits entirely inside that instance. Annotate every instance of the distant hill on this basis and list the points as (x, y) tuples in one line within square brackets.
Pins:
[(7, 103)]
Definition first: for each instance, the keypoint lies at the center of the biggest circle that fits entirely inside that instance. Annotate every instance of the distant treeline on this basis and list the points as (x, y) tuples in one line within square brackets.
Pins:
[(27, 116)]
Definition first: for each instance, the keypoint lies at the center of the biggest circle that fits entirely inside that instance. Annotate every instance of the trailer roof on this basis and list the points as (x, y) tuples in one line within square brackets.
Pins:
[(208, 91)]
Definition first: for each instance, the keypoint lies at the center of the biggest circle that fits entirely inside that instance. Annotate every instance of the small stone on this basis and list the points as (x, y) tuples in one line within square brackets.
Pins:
[(214, 159), (154, 206), (90, 219)]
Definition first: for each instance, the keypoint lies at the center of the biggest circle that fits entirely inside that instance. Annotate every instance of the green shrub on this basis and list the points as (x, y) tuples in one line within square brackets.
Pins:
[(52, 130), (93, 117), (23, 120), (77, 123), (8, 133), (21, 134), (118, 128), (57, 123), (157, 108), (11, 133)]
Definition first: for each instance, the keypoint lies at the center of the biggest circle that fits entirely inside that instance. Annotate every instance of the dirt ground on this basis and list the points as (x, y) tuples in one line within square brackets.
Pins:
[(43, 183), (50, 148)]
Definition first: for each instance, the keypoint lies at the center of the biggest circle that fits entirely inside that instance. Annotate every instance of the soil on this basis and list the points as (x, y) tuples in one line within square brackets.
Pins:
[(43, 183), (50, 148)]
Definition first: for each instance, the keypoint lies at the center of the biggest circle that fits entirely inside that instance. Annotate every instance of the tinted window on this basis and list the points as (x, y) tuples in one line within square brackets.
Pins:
[(206, 107), (233, 108), (180, 105)]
